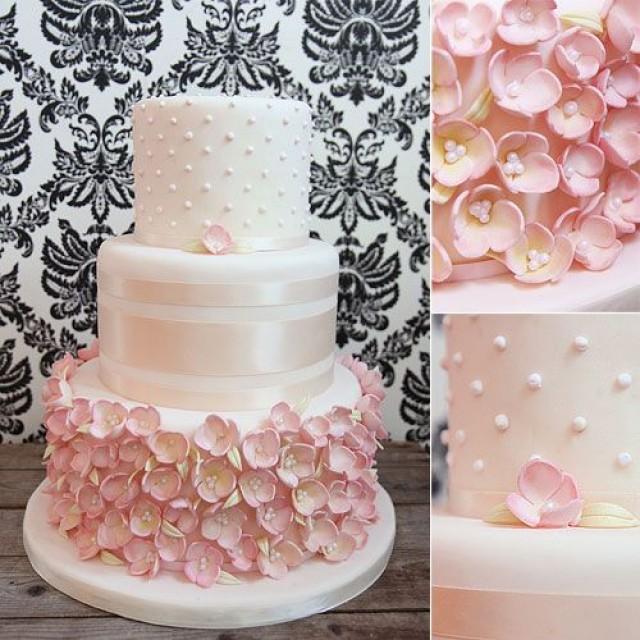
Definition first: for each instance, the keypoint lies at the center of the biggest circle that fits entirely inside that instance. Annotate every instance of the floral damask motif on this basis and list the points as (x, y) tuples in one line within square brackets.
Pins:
[(15, 394), (98, 38), (360, 45), (17, 230), (12, 57), (15, 155), (414, 407)]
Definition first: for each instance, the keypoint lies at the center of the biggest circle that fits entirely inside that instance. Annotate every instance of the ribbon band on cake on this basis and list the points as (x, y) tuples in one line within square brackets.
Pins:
[(244, 243)]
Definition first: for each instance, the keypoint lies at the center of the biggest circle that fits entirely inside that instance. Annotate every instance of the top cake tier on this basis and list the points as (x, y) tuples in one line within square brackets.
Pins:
[(242, 163)]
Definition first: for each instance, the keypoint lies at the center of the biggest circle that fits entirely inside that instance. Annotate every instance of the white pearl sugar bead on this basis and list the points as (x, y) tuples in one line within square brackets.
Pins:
[(444, 437), (581, 343), (579, 424), (624, 380), (268, 138), (460, 436), (262, 210), (173, 120), (500, 343), (280, 222), (624, 459), (188, 204), (247, 188), (478, 465), (188, 168), (476, 387), (173, 224), (208, 118), (207, 150), (265, 173), (173, 188), (502, 422), (228, 171), (457, 358), (230, 136), (228, 207), (251, 120), (206, 186), (449, 459), (534, 381), (249, 150), (283, 156)]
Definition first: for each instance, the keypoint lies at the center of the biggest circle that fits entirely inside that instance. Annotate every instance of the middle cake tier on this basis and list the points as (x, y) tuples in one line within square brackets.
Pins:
[(204, 332)]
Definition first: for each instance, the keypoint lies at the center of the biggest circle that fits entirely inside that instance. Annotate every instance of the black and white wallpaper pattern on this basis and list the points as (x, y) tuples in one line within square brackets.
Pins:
[(70, 71)]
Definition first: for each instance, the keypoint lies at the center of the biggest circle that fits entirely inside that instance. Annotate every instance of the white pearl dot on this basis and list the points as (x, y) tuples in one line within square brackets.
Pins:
[(206, 186), (173, 223), (143, 106), (283, 156), (207, 150), (444, 437), (624, 380), (171, 153), (148, 189), (247, 223), (188, 168), (150, 119), (477, 388), (262, 210), (173, 120), (230, 136), (293, 211), (149, 219), (228, 171), (158, 209), (208, 118), (268, 138), (457, 358), (460, 436), (250, 150), (188, 102), (502, 422), (534, 381), (160, 137), (265, 173), (478, 465), (280, 222), (280, 192), (624, 459), (188, 204), (535, 456), (251, 120), (285, 121), (173, 188), (581, 343), (188, 135), (228, 207), (579, 424), (449, 459), (500, 343), (247, 188), (149, 153), (295, 173), (158, 172)]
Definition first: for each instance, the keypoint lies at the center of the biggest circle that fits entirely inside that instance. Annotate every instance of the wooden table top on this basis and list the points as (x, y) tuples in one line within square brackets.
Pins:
[(395, 608)]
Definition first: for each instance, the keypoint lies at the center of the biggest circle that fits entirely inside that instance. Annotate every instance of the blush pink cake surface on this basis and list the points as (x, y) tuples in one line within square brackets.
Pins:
[(541, 523), (534, 149)]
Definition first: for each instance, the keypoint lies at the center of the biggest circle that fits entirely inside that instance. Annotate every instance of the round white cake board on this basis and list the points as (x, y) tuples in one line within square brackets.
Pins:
[(170, 599)]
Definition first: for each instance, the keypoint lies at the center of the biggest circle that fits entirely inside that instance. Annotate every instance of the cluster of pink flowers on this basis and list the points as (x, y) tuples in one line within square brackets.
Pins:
[(561, 115), (216, 505)]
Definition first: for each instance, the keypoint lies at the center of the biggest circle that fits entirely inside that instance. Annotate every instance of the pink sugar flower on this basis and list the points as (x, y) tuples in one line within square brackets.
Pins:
[(576, 112), (579, 54), (275, 516), (546, 497), (168, 447), (370, 379), (359, 438), (204, 564), (524, 164), (261, 449), (113, 532), (64, 368), (282, 556), (539, 256), (362, 498), (91, 351), (580, 168), (296, 463), (441, 266), (525, 22), (310, 496), (483, 220), (144, 518), (339, 502), (340, 458), (162, 483), (89, 500), (215, 480), (356, 529), (142, 557), (340, 418), (460, 151), (82, 459), (316, 431), (258, 487), (182, 513), (133, 450), (143, 421), (622, 200), (116, 488), (521, 84), (217, 240), (223, 526), (217, 435), (86, 543), (105, 456), (466, 31), (340, 549), (620, 83), (623, 25), (57, 393), (61, 459), (619, 136), (66, 514), (244, 554), (108, 419), (319, 532), (370, 416), (446, 91), (59, 426), (80, 414), (170, 549), (593, 236), (283, 419)]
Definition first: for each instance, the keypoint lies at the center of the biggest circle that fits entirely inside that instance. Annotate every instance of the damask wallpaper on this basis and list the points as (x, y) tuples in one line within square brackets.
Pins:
[(70, 71)]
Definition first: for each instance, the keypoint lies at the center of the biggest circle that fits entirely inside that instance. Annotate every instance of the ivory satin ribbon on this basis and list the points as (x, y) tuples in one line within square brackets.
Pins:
[(470, 614), (245, 294), (215, 348), (253, 243)]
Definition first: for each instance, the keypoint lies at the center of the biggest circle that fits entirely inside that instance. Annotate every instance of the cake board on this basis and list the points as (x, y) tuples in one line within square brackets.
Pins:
[(171, 600)]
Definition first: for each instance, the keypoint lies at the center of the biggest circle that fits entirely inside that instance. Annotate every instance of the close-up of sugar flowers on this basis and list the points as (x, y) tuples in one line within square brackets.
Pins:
[(536, 137)]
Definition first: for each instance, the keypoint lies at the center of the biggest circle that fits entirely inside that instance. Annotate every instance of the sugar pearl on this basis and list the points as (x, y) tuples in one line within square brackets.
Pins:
[(251, 120), (534, 381), (262, 210), (265, 173), (228, 171), (173, 188), (500, 343), (188, 168), (228, 207), (502, 422), (268, 138), (250, 150), (444, 437), (188, 135), (477, 388), (247, 188), (581, 343), (579, 424), (208, 118), (173, 120), (206, 186), (624, 459), (188, 204), (478, 465), (457, 358), (460, 436), (230, 136), (624, 380), (207, 150), (283, 156)]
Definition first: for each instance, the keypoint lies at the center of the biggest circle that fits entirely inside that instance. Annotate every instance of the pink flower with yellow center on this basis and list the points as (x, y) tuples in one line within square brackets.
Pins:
[(65, 513), (169, 548), (622, 200), (580, 54), (89, 500), (217, 435), (316, 431), (356, 529), (340, 419), (339, 502), (57, 393), (619, 83), (362, 498), (309, 496), (340, 549), (181, 513), (619, 136), (215, 480), (261, 449), (258, 487), (113, 532), (340, 458), (108, 419), (319, 532), (623, 24), (134, 450), (466, 30), (281, 557), (578, 109), (223, 526), (143, 421), (204, 563), (105, 456), (86, 543), (526, 22), (144, 518), (142, 557), (65, 368), (216, 240), (446, 90), (244, 554), (284, 419), (296, 463), (580, 168), (168, 447), (275, 516), (162, 483), (116, 488), (59, 426), (370, 415)]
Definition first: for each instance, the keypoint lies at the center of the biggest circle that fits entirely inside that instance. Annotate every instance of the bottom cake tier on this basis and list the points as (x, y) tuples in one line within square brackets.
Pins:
[(505, 583)]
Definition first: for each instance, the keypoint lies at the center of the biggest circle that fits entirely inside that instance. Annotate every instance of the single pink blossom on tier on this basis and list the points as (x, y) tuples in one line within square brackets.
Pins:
[(296, 463), (356, 529), (170, 548), (66, 514), (370, 379), (441, 266), (310, 496), (341, 418), (539, 256), (113, 531), (134, 450), (244, 554), (81, 461), (168, 447), (460, 151), (465, 30), (339, 502), (182, 513), (281, 557), (483, 220), (359, 438), (57, 393), (215, 480), (162, 483), (142, 557), (622, 200), (446, 91), (143, 421), (105, 456), (91, 351), (521, 85), (258, 487), (261, 449), (284, 419), (223, 526), (524, 164), (118, 489), (580, 168), (369, 408), (275, 516), (217, 435), (525, 22), (144, 518), (319, 532), (340, 549), (60, 462), (204, 564), (576, 112), (108, 419), (86, 543), (59, 426), (619, 136), (339, 458), (64, 368), (217, 240), (316, 431), (546, 497), (89, 500), (593, 236), (362, 497), (619, 83), (580, 54), (623, 25)]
